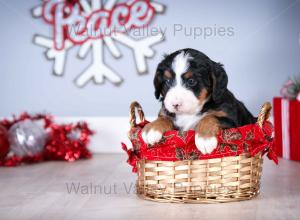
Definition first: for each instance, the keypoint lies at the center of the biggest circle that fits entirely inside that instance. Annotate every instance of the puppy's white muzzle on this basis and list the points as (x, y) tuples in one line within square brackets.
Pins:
[(180, 100)]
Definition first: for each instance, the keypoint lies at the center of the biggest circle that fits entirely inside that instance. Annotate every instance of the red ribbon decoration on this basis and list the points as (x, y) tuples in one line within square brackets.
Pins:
[(177, 146)]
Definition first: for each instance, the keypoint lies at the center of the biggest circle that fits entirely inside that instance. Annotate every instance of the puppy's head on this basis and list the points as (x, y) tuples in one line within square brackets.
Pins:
[(186, 79)]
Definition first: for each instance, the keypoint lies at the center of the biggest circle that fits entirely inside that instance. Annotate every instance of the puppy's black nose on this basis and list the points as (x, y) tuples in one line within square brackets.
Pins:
[(176, 106)]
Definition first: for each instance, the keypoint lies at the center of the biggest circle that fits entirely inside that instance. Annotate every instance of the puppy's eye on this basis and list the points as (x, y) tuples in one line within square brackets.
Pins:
[(191, 82)]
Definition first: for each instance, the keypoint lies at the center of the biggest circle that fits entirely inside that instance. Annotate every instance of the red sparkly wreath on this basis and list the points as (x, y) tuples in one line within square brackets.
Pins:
[(59, 146)]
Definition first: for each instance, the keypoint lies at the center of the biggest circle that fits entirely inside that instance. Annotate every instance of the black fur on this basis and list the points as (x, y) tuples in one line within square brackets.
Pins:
[(211, 76)]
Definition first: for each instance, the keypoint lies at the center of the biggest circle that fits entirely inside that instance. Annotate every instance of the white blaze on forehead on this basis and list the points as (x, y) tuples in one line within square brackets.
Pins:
[(181, 64), (179, 99)]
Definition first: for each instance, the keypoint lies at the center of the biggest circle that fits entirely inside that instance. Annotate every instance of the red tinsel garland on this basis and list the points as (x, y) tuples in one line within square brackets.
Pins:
[(60, 143)]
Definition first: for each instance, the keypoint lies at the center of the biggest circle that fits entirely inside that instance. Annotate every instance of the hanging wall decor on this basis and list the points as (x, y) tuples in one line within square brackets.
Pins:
[(92, 25)]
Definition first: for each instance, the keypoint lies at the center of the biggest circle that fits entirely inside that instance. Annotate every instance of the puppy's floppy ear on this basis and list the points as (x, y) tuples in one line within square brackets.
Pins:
[(220, 81), (158, 79), (157, 84)]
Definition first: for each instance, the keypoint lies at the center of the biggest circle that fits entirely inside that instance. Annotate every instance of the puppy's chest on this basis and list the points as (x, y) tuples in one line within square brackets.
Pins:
[(187, 122)]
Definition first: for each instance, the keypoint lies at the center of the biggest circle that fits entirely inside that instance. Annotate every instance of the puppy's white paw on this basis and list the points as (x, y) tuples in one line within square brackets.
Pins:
[(206, 145), (152, 136)]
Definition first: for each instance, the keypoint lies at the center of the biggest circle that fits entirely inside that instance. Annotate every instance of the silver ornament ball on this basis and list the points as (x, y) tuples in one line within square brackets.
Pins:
[(27, 138)]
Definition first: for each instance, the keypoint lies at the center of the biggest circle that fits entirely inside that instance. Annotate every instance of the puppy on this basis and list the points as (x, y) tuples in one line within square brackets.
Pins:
[(194, 95)]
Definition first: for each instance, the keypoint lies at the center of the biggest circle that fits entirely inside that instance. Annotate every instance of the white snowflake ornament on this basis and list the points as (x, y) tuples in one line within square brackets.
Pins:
[(91, 26)]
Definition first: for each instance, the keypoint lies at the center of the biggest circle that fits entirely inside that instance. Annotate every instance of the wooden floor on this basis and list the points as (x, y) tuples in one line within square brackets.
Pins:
[(105, 190)]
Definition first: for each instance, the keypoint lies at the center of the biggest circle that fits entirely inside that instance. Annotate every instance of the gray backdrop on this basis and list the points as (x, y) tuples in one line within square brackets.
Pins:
[(260, 51)]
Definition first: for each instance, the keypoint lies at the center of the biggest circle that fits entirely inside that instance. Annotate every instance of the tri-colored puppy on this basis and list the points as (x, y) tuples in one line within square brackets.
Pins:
[(194, 95)]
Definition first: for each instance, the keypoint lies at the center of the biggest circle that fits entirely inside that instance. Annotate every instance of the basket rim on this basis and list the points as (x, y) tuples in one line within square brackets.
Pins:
[(187, 160)]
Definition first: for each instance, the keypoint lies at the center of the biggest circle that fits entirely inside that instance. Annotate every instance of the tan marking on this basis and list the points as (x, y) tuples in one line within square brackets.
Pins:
[(161, 124), (162, 113), (203, 95), (208, 126), (167, 74), (188, 75), (217, 113)]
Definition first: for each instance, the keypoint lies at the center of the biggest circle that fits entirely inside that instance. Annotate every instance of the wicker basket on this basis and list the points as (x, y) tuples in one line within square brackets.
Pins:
[(226, 179)]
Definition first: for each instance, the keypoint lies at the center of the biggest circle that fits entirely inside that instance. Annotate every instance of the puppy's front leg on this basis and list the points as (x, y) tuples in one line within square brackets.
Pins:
[(153, 132), (206, 132)]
